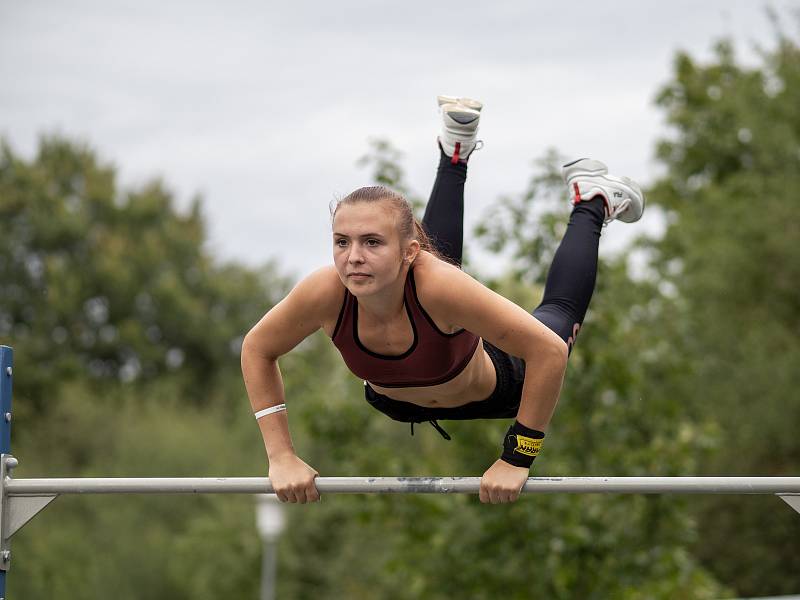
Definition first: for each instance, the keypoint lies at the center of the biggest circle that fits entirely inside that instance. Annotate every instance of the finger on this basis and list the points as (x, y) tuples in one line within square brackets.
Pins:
[(310, 493), (483, 494), (300, 494), (307, 493), (313, 493), (518, 493)]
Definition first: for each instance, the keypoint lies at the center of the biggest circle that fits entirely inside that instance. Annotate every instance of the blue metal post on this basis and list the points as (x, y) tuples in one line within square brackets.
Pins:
[(6, 366), (7, 362)]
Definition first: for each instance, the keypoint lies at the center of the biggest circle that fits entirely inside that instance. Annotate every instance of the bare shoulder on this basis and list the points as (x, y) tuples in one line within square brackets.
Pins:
[(312, 304), (432, 274), (438, 284), (321, 294), (447, 288), (461, 301)]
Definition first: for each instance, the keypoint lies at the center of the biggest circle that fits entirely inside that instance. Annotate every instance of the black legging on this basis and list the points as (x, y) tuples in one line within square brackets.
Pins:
[(570, 281)]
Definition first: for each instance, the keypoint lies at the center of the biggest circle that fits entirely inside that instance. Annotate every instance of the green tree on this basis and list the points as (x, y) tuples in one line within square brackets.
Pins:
[(732, 253), (126, 336), (113, 284)]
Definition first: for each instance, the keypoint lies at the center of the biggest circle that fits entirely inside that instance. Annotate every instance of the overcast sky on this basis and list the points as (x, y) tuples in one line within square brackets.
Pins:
[(263, 108)]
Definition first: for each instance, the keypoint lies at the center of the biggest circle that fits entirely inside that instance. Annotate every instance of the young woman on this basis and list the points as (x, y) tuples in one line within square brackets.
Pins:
[(429, 341)]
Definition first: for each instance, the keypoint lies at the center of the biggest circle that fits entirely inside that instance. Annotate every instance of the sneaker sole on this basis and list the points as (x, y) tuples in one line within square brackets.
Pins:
[(592, 167), (466, 102)]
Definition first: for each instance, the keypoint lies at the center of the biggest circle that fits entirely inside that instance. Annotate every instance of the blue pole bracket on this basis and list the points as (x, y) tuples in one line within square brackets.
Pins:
[(6, 378)]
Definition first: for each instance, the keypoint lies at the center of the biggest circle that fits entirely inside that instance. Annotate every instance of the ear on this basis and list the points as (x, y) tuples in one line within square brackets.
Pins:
[(411, 251)]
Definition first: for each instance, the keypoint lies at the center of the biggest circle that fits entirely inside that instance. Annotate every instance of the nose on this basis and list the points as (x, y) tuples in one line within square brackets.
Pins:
[(356, 254)]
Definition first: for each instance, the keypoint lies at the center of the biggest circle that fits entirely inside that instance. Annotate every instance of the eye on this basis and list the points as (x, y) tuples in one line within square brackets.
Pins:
[(373, 242), (341, 242)]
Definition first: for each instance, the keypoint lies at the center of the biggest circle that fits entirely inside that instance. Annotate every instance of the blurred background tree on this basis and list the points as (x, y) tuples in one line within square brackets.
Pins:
[(127, 331), (732, 254), (113, 285)]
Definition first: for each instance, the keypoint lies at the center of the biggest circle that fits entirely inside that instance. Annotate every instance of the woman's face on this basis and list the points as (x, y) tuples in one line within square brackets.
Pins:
[(366, 247)]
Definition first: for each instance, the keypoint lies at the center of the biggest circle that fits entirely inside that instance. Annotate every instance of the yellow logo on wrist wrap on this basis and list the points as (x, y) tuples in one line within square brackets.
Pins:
[(528, 446)]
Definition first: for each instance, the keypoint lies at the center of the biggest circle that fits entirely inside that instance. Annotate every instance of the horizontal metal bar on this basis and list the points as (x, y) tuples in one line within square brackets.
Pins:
[(406, 485)]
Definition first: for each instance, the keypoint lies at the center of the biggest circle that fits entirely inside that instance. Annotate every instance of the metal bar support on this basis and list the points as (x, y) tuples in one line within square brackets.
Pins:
[(6, 379), (22, 499), (405, 485)]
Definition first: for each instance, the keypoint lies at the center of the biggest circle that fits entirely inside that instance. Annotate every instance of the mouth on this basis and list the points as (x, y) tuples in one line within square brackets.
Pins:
[(358, 275)]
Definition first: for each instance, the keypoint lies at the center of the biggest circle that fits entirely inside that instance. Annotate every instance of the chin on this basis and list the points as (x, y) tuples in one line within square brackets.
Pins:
[(359, 289)]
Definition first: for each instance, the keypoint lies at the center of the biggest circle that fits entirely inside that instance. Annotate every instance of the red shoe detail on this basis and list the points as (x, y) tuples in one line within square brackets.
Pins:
[(454, 160), (578, 199)]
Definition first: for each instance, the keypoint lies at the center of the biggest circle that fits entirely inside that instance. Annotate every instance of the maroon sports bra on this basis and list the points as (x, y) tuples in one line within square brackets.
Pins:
[(433, 358)]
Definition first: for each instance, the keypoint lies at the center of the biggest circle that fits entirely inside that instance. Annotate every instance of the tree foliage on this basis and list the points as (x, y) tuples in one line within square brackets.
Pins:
[(113, 284), (732, 253), (126, 337), (126, 333)]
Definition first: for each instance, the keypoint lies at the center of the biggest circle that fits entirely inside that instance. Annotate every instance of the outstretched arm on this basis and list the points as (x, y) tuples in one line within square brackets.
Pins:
[(478, 309), (287, 324), (473, 306)]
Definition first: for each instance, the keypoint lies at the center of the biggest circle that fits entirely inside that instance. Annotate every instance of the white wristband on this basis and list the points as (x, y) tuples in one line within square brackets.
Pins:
[(268, 411)]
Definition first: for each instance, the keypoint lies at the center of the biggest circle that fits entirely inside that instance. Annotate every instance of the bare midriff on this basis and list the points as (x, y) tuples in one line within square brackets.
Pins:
[(476, 382)]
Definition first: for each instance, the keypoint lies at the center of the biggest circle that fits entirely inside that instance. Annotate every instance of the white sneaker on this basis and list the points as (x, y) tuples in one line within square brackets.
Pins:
[(587, 178), (460, 118)]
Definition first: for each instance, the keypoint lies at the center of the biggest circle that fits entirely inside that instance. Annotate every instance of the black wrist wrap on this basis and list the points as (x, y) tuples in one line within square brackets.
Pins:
[(521, 445)]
